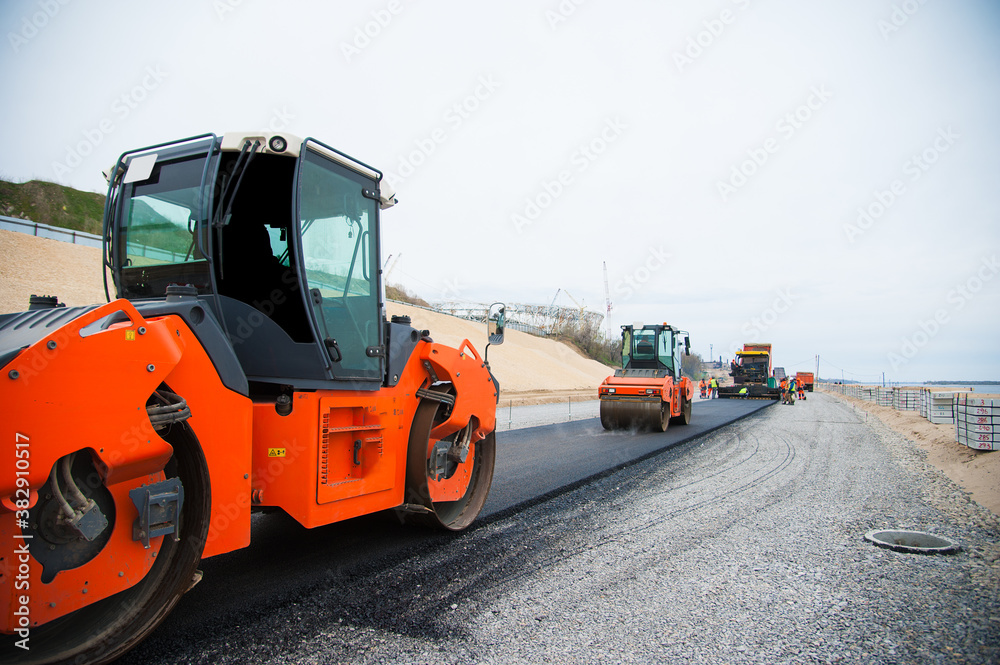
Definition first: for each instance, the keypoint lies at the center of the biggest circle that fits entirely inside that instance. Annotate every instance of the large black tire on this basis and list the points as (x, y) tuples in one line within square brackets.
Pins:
[(685, 417), (448, 515), (664, 420), (102, 632)]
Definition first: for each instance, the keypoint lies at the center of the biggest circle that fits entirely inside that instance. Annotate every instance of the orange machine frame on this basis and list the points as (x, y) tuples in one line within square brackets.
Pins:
[(645, 389), (79, 389)]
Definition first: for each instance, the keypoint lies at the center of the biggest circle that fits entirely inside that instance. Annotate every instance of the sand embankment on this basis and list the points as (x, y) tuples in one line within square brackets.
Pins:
[(530, 369), (41, 266)]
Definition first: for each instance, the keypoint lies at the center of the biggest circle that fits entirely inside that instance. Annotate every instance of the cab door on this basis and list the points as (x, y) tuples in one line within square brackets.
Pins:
[(337, 215)]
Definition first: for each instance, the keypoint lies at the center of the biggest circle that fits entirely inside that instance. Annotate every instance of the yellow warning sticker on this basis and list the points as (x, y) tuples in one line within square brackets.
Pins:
[(275, 452), (129, 335)]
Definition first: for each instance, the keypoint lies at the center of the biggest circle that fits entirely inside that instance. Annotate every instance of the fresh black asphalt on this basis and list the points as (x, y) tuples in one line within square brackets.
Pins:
[(534, 462)]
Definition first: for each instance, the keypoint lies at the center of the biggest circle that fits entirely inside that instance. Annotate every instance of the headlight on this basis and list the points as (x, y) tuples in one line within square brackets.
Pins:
[(277, 144)]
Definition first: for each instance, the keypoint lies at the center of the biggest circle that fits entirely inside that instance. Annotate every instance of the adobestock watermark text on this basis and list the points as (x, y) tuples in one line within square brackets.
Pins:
[(755, 327), (32, 24), (914, 168), (454, 117), (786, 127), (121, 108), (956, 299), (555, 186), (630, 284), (899, 16), (365, 34), (712, 30)]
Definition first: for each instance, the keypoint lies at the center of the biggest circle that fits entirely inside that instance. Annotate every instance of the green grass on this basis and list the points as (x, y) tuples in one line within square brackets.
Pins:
[(49, 203)]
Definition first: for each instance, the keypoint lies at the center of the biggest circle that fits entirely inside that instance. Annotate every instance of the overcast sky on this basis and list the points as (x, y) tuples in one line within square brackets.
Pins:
[(820, 175)]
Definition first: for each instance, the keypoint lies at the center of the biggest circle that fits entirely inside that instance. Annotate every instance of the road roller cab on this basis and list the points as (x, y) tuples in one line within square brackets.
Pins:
[(649, 391)]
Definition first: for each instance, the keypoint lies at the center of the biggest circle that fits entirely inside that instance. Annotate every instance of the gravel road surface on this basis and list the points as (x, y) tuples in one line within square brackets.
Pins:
[(741, 546)]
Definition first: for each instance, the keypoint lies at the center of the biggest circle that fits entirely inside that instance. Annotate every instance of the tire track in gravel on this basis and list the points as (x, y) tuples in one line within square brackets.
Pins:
[(465, 579), (608, 536), (770, 468), (548, 546)]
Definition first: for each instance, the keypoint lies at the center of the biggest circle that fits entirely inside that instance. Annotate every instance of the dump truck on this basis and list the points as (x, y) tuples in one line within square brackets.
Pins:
[(752, 374), (805, 379), (649, 391), (245, 363)]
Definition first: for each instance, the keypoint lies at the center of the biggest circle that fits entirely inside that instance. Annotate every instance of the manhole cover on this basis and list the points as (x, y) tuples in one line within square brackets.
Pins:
[(913, 542)]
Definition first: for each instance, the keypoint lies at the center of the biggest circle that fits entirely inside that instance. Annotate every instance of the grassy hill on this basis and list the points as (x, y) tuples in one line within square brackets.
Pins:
[(49, 203)]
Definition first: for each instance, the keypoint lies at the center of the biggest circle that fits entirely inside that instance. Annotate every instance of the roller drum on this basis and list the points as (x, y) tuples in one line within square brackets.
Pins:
[(621, 414)]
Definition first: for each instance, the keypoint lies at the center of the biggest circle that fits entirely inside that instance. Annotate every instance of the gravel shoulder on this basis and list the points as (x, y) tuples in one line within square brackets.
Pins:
[(743, 546), (976, 471)]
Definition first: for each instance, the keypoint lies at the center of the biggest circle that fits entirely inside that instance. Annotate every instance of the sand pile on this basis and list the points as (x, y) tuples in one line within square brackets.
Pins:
[(40, 266), (524, 364)]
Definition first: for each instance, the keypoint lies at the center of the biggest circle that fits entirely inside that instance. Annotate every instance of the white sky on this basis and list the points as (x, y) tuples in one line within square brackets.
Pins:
[(475, 110)]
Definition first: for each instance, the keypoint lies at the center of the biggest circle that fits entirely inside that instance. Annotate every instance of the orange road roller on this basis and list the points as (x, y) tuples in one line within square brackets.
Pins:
[(649, 391), (245, 363)]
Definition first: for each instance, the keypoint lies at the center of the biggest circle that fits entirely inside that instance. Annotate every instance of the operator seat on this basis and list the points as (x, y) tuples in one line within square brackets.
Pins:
[(250, 272)]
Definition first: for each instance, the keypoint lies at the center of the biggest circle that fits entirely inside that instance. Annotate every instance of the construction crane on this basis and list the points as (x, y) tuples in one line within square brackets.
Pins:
[(568, 295), (388, 271), (607, 300)]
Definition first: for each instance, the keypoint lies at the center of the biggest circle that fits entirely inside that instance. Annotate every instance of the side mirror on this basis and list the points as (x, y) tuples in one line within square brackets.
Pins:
[(687, 346), (495, 322)]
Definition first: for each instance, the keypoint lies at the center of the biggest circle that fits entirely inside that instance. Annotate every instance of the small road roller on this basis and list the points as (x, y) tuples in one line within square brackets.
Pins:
[(648, 392)]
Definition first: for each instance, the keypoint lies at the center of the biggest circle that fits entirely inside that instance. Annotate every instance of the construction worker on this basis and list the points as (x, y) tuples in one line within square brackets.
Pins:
[(791, 390), (701, 386), (714, 385), (743, 392), (783, 387), (802, 390)]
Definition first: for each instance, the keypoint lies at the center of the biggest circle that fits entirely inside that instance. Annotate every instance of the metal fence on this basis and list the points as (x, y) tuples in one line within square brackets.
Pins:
[(40, 230), (510, 325)]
